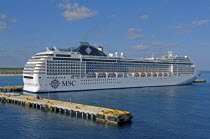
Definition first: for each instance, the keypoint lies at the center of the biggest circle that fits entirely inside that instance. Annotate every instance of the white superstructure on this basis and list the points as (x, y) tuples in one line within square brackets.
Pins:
[(88, 68)]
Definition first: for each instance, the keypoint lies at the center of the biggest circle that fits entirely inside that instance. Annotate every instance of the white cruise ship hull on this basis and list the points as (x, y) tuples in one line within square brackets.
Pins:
[(46, 83)]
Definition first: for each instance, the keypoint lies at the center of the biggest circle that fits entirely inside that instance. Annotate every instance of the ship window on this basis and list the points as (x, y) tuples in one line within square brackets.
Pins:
[(28, 77)]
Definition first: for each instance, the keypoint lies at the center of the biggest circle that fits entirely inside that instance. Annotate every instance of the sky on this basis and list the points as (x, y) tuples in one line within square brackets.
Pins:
[(138, 28)]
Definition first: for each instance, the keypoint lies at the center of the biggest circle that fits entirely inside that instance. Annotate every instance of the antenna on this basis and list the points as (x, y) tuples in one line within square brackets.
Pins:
[(47, 49)]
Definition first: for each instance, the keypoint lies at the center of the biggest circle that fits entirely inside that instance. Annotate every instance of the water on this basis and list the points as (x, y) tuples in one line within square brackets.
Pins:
[(159, 112)]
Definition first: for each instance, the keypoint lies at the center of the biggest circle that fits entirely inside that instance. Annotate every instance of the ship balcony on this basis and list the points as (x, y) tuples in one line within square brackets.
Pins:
[(38, 68), (40, 64)]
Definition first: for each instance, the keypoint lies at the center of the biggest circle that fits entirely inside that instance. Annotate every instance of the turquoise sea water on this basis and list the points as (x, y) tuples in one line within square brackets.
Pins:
[(158, 112)]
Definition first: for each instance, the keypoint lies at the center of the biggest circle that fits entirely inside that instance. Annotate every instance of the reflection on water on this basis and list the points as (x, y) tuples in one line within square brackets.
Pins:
[(29, 94)]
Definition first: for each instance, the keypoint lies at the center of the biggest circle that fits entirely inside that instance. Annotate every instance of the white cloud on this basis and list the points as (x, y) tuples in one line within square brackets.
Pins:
[(99, 44), (134, 33), (161, 44), (134, 30), (205, 44), (74, 11), (13, 20), (144, 17), (140, 47), (184, 32), (154, 46), (5, 19), (135, 36), (179, 27), (200, 22), (3, 25), (113, 15), (3, 16), (2, 52)]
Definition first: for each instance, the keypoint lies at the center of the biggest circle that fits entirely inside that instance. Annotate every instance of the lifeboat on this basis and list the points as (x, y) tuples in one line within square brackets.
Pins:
[(134, 73), (148, 72), (153, 72), (118, 73), (141, 72), (90, 73), (100, 72)]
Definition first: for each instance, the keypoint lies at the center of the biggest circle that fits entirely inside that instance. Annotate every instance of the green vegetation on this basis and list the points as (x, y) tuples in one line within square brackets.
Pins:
[(5, 71)]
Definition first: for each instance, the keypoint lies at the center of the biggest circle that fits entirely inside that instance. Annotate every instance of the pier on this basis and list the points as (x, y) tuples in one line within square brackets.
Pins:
[(11, 88), (68, 108)]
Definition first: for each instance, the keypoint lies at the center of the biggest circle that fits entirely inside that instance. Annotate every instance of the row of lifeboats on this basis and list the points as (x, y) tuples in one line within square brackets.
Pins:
[(159, 73), (133, 73), (105, 73)]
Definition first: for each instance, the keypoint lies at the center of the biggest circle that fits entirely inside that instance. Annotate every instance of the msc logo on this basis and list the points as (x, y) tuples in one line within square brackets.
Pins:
[(55, 83)]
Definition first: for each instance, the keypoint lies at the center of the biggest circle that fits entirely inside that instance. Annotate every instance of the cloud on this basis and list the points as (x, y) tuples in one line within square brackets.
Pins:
[(153, 46), (5, 19), (144, 17), (3, 25), (140, 47), (113, 16), (187, 28), (134, 30), (99, 44), (162, 44), (179, 27), (13, 20), (184, 32), (205, 44), (3, 16), (2, 52), (134, 33), (200, 22), (74, 11), (135, 36)]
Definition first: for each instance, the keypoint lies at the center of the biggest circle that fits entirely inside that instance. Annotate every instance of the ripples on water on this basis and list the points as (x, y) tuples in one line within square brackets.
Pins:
[(159, 112)]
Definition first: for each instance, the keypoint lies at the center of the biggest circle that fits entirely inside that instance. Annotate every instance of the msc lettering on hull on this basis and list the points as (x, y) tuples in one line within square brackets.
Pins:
[(55, 83), (68, 83)]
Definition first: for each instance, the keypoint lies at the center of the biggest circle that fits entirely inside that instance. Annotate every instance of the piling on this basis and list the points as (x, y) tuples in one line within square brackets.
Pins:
[(200, 81)]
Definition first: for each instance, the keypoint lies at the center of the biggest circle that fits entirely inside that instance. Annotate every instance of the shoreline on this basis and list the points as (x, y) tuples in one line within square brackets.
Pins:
[(11, 74)]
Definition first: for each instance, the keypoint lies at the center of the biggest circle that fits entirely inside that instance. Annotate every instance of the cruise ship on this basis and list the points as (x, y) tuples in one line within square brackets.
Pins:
[(89, 68)]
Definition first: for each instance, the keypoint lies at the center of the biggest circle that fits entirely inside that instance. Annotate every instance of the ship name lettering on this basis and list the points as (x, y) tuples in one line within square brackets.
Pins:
[(68, 83)]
